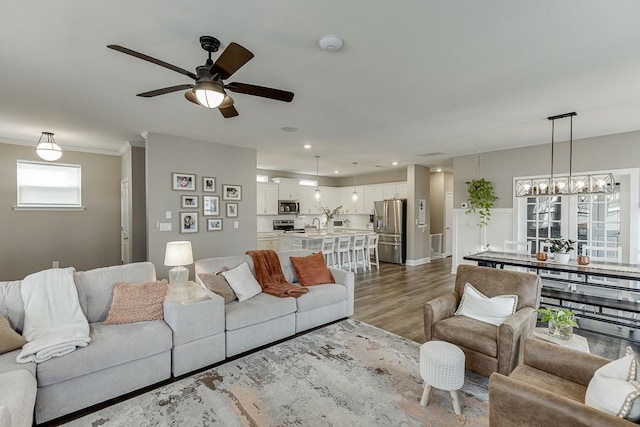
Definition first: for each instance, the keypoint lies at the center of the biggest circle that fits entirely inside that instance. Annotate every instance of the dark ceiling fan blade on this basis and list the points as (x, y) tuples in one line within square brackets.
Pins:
[(228, 112), (164, 90), (152, 60), (230, 61), (265, 92)]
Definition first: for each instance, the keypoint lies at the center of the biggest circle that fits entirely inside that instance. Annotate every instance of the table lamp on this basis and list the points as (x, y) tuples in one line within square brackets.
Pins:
[(177, 255)]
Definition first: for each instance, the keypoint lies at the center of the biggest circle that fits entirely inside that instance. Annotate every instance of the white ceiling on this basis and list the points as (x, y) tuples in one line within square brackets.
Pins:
[(413, 77)]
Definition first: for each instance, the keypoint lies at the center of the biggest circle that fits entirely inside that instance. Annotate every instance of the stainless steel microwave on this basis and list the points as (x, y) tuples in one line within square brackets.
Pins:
[(288, 207)]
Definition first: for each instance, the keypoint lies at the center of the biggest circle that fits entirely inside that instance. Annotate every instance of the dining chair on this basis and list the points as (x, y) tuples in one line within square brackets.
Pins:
[(343, 249), (328, 250), (512, 246), (372, 250), (358, 253)]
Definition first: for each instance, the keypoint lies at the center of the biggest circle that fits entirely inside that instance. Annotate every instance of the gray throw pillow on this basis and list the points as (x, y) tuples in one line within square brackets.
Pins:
[(216, 283)]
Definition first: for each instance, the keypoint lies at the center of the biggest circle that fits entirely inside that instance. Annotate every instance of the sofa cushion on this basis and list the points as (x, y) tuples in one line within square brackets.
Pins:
[(312, 270), (242, 281), (110, 345), (95, 287), (137, 302), (321, 295), (11, 304), (18, 395), (287, 267), (9, 339), (477, 305), (8, 363), (258, 309), (470, 333)]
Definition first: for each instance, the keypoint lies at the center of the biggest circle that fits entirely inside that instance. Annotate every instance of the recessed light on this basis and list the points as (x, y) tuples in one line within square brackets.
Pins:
[(394, 163), (336, 171), (289, 129), (307, 146)]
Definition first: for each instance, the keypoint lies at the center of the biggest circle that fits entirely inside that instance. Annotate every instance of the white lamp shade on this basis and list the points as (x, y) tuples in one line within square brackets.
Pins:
[(354, 196), (209, 94), (178, 254), (48, 150), (317, 195)]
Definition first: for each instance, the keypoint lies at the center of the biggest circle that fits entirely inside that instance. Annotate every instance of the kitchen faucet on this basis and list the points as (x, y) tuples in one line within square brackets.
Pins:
[(314, 221)]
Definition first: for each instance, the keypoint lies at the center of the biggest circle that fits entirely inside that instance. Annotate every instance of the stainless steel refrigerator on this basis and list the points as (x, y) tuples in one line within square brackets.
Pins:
[(390, 222)]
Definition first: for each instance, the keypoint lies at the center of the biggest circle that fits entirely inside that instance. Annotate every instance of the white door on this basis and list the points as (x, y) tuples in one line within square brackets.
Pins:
[(125, 247), (448, 224)]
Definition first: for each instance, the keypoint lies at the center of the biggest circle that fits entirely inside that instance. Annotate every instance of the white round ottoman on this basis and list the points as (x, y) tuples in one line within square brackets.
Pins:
[(442, 367)]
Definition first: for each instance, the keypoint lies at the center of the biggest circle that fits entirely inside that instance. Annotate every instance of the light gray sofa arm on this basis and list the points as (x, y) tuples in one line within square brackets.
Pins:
[(193, 321), (346, 279)]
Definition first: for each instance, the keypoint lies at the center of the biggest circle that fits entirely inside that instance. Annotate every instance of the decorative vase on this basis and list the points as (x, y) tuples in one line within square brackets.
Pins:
[(564, 332), (561, 258), (330, 225), (583, 260), (541, 256)]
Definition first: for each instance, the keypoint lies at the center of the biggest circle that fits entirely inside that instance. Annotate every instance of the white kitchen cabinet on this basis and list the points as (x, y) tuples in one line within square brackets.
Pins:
[(345, 199), (268, 241), (329, 198), (395, 190), (267, 198), (372, 193), (288, 189), (308, 204)]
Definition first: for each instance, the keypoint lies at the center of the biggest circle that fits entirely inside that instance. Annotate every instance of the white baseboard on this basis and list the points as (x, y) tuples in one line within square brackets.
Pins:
[(416, 262)]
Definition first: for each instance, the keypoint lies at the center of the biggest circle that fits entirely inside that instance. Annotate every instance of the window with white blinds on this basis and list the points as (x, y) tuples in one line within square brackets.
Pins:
[(49, 185)]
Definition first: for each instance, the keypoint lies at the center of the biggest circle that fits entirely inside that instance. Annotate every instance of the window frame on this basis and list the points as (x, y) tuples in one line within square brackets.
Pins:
[(22, 206)]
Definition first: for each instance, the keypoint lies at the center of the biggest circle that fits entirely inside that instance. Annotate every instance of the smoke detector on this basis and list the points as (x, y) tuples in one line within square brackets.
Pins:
[(330, 43)]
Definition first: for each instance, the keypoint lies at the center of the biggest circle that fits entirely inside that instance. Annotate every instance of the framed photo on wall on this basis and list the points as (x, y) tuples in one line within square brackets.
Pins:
[(209, 184), (189, 202), (183, 181), (214, 224), (232, 210), (188, 222), (210, 205), (231, 192)]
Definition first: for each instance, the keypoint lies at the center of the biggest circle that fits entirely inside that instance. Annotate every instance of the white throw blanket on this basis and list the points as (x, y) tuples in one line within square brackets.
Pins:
[(54, 323)]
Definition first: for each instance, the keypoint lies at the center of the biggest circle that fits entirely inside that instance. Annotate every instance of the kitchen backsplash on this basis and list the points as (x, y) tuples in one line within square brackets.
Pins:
[(355, 221)]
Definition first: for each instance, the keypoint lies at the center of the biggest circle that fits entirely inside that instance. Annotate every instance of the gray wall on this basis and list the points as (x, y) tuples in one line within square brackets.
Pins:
[(31, 240), (324, 181), (229, 165), (133, 168), (399, 174), (418, 187), (617, 151)]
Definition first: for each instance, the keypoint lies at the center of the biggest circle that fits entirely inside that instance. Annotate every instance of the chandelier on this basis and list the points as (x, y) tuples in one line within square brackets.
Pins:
[(602, 183)]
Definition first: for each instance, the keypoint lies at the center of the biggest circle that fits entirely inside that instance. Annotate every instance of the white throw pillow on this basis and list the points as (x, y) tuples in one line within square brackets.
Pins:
[(242, 282), (495, 310), (614, 389)]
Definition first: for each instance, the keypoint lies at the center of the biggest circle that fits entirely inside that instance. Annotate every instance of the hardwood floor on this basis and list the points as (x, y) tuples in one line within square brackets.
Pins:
[(392, 298)]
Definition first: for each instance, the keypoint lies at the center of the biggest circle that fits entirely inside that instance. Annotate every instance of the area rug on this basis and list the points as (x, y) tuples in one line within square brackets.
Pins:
[(345, 374)]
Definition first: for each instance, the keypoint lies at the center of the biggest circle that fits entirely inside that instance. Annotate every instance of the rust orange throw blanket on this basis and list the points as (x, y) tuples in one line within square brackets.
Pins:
[(270, 276)]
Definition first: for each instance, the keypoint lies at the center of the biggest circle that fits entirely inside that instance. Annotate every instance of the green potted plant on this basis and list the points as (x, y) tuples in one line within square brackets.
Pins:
[(561, 321), (481, 199), (560, 249)]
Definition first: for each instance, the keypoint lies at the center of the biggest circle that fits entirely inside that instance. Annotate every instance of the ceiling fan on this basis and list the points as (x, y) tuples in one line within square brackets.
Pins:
[(209, 87)]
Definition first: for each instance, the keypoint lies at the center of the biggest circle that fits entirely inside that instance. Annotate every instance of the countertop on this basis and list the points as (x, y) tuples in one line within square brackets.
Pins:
[(323, 234)]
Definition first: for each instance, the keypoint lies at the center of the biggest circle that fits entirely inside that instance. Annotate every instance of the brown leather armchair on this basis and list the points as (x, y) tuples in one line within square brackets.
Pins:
[(487, 348), (548, 389)]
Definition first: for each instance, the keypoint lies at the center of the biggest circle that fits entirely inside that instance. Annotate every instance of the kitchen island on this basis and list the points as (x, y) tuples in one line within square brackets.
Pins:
[(313, 241)]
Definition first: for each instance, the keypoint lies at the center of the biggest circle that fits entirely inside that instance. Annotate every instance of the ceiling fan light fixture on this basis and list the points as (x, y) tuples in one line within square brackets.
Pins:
[(48, 150), (209, 94)]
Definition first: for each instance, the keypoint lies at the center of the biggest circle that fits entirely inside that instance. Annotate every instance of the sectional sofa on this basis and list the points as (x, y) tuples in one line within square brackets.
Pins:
[(125, 357)]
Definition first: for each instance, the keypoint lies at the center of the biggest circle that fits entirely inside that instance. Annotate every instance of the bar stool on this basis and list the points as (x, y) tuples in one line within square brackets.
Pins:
[(328, 250), (357, 248), (343, 249), (372, 247)]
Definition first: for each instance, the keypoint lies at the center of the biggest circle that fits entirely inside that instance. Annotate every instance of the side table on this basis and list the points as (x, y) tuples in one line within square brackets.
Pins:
[(576, 342), (188, 293)]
